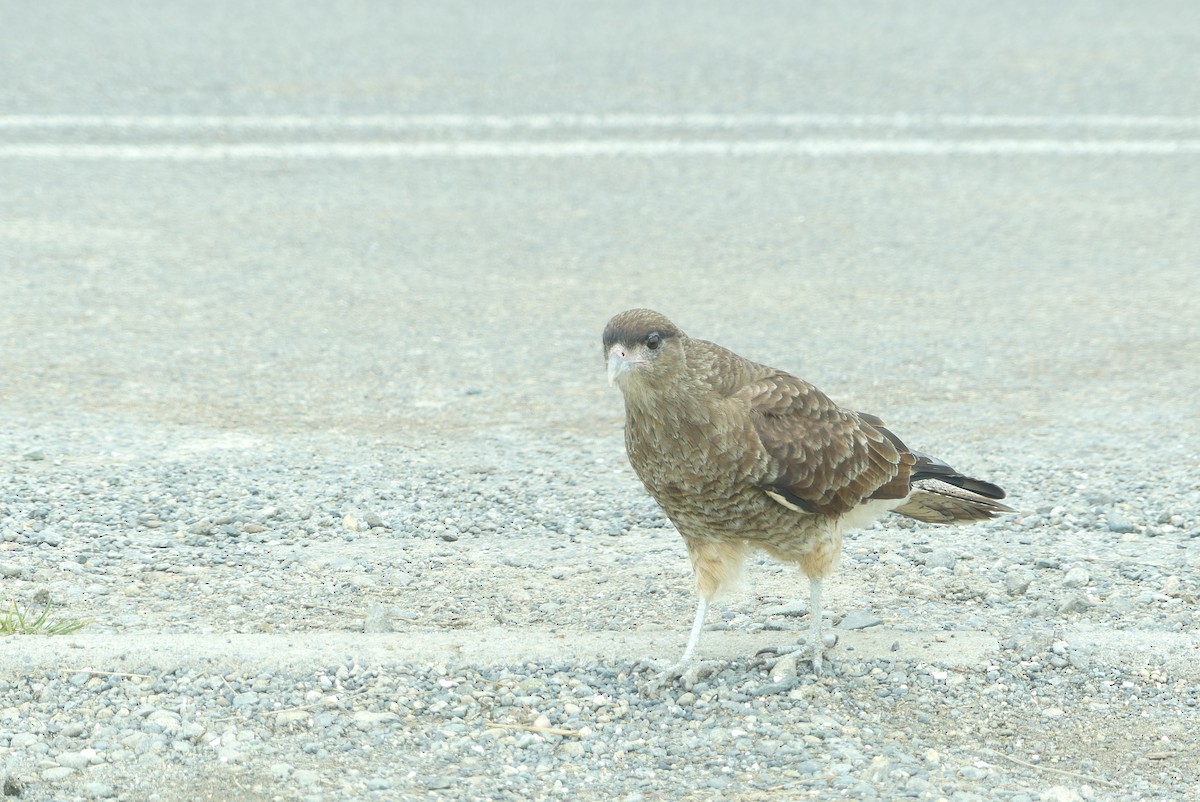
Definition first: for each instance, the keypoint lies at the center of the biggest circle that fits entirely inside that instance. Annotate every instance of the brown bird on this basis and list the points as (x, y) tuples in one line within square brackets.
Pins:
[(743, 456)]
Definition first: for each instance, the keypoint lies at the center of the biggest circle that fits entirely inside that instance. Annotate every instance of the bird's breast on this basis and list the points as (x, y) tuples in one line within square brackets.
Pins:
[(702, 468)]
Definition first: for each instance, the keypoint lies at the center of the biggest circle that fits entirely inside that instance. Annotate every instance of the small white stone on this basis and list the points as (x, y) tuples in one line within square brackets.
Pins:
[(784, 669), (292, 716), (98, 791), (23, 740), (1077, 577), (369, 719), (305, 777), (73, 760), (940, 558)]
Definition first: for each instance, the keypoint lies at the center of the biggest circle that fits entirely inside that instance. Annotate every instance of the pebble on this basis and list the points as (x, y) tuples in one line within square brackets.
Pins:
[(1117, 522), (1017, 581), (859, 619), (372, 719), (228, 754), (306, 777), (96, 790), (377, 620), (1075, 604), (795, 608), (1077, 577), (784, 670), (940, 558), (74, 760)]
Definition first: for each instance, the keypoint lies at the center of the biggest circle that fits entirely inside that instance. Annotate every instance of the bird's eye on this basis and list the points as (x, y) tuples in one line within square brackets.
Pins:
[(654, 341)]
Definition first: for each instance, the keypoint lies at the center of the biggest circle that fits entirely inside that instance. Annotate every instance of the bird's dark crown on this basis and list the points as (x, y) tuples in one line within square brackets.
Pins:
[(635, 325)]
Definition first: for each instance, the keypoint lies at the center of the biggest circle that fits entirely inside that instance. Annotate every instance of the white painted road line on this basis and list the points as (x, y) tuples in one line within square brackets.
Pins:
[(595, 122), (501, 149), (153, 137)]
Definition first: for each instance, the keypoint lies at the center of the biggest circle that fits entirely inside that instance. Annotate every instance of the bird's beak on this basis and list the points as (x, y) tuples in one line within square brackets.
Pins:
[(620, 362)]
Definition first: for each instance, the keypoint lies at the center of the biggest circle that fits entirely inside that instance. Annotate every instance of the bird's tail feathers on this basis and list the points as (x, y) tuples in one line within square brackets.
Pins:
[(938, 501), (928, 467)]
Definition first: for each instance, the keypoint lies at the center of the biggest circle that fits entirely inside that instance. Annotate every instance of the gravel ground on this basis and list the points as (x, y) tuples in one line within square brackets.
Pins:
[(1076, 675)]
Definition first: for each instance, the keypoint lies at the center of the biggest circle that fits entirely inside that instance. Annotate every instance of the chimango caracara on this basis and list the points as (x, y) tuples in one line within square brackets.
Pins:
[(740, 456)]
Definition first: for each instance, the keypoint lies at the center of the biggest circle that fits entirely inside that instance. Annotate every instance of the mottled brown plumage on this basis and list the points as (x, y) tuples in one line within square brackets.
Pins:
[(740, 455)]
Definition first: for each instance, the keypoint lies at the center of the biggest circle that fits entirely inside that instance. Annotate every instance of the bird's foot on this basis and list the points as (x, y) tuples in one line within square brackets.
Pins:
[(685, 673), (808, 649)]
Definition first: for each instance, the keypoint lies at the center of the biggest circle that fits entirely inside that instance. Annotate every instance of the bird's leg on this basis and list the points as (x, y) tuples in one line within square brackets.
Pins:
[(697, 627), (814, 647), (816, 642), (684, 669), (716, 563)]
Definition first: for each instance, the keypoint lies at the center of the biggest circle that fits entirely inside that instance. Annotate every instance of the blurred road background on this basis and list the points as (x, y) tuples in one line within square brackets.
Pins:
[(411, 220)]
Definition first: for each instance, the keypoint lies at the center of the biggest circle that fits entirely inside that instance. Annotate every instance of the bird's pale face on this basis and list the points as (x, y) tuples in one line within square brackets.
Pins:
[(625, 360), (641, 346)]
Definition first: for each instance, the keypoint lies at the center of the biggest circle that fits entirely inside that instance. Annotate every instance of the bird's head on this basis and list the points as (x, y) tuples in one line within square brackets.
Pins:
[(642, 349)]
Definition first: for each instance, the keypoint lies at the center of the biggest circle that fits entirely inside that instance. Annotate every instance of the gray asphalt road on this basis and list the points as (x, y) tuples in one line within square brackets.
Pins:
[(398, 229), (345, 57), (372, 296), (334, 292)]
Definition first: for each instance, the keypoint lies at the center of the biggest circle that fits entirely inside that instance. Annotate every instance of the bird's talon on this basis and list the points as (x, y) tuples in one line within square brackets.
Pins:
[(686, 675), (651, 665)]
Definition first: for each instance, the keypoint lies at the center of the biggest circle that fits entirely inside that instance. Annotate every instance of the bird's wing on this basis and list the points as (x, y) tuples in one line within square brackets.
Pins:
[(823, 458)]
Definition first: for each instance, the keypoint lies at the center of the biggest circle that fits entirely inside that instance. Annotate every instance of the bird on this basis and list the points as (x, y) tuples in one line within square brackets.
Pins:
[(742, 456)]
